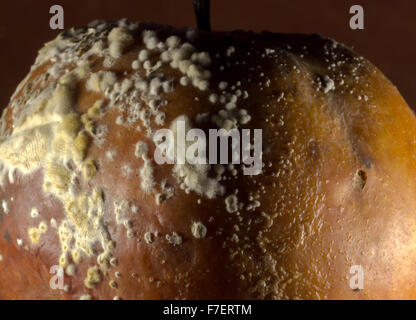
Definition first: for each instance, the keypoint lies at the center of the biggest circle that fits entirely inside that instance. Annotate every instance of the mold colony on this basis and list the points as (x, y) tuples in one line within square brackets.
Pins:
[(79, 130)]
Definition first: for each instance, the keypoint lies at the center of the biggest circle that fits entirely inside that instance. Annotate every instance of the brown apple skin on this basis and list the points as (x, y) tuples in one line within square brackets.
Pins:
[(338, 187)]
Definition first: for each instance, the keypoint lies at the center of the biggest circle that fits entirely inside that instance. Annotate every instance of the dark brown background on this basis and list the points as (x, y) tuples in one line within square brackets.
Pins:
[(389, 38)]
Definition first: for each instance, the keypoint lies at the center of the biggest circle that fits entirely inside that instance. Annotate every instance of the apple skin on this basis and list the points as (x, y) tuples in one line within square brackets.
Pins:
[(338, 187)]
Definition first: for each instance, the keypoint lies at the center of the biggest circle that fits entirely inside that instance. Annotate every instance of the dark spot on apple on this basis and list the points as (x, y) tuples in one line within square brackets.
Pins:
[(6, 236)]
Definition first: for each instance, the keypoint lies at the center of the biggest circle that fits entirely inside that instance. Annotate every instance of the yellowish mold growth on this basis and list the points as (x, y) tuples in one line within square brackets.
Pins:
[(57, 179), (76, 256), (92, 114), (231, 203), (70, 270), (111, 245), (114, 262), (146, 172), (5, 207), (81, 144), (122, 210), (85, 225), (167, 192), (93, 277), (48, 133), (191, 177), (36, 233), (63, 260), (174, 239), (118, 40), (95, 111), (89, 169), (43, 227), (41, 129), (198, 230), (148, 237), (101, 81), (113, 284), (34, 213)]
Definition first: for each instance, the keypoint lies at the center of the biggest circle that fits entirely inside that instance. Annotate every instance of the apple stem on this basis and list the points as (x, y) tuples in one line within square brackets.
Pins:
[(201, 8)]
